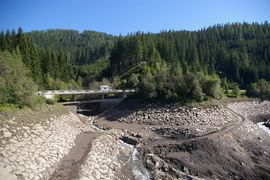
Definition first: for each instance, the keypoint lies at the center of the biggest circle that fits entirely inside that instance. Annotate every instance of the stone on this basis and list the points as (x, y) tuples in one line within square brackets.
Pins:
[(7, 134), (33, 167), (21, 169), (5, 174)]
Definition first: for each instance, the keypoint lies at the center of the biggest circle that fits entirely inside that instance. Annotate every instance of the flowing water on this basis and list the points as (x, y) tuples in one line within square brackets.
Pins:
[(138, 170), (263, 127)]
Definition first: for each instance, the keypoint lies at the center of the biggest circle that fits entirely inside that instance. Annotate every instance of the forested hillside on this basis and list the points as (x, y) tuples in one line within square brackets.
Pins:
[(60, 59), (167, 63), (87, 52), (179, 65), (240, 52), (16, 85), (83, 48)]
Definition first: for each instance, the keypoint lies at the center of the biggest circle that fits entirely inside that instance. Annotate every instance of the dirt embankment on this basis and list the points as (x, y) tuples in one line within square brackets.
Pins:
[(185, 143), (54, 143), (32, 142)]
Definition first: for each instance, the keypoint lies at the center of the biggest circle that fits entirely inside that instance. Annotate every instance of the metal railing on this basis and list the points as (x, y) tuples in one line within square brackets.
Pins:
[(78, 92)]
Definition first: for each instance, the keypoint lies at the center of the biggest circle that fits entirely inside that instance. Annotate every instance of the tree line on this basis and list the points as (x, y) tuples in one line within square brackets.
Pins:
[(172, 65), (64, 57), (232, 54)]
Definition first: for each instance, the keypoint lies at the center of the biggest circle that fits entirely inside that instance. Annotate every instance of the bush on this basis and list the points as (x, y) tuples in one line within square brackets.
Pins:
[(133, 80), (8, 107), (193, 87), (211, 86), (50, 101), (260, 89), (148, 86), (35, 101), (235, 90), (16, 87)]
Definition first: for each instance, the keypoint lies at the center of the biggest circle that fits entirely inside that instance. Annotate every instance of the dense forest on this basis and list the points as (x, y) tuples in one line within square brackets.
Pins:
[(239, 52), (168, 63), (60, 55), (179, 65)]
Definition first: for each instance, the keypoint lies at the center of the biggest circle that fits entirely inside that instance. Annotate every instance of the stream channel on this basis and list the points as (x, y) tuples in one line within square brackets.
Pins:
[(138, 169)]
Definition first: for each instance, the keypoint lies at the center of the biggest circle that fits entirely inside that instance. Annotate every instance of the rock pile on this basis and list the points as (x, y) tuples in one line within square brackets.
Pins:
[(32, 150), (182, 133), (104, 159), (177, 115), (251, 108)]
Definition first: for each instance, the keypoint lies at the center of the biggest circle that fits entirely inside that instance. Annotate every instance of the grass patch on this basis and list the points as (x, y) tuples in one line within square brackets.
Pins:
[(9, 107), (205, 104)]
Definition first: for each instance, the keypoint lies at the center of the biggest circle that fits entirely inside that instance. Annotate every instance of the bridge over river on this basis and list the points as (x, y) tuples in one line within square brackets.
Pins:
[(50, 94), (96, 103)]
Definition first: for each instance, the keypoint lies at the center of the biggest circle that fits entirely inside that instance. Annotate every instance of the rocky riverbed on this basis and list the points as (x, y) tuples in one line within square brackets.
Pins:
[(252, 110), (170, 121), (174, 114), (178, 142), (171, 141), (256, 111)]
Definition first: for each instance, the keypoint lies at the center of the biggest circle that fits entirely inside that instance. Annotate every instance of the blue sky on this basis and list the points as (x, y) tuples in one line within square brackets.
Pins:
[(124, 16)]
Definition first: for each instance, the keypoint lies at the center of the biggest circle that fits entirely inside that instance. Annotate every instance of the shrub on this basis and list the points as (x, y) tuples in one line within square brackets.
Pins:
[(235, 90), (193, 87), (212, 86), (260, 89), (16, 87)]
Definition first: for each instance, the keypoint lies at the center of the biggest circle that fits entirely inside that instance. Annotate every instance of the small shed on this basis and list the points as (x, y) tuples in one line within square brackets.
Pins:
[(104, 88)]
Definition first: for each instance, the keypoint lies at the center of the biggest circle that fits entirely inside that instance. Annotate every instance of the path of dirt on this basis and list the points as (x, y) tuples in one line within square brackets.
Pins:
[(70, 165)]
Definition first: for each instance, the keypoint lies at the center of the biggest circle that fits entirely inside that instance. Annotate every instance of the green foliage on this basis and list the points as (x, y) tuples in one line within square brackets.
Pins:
[(96, 84), (8, 107), (116, 82), (60, 54), (235, 92), (215, 50), (194, 89), (148, 86), (51, 101), (59, 85), (260, 89), (49, 82), (73, 85), (16, 87), (171, 65), (93, 71), (133, 80), (211, 86)]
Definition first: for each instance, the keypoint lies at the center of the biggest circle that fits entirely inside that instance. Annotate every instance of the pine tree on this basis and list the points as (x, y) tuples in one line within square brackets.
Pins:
[(7, 45)]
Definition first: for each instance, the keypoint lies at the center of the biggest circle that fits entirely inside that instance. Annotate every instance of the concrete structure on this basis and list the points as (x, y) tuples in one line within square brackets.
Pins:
[(52, 93), (105, 88)]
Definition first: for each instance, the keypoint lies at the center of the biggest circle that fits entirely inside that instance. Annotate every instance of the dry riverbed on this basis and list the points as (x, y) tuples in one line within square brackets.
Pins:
[(54, 143), (171, 141), (179, 142)]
